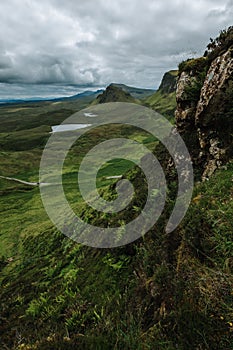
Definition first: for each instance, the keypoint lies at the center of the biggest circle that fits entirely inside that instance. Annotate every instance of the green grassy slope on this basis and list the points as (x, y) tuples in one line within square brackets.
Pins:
[(164, 103), (20, 153), (164, 99), (165, 291), (160, 292), (35, 114)]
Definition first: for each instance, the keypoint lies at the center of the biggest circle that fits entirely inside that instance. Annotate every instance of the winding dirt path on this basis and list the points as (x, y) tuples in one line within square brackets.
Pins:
[(24, 182)]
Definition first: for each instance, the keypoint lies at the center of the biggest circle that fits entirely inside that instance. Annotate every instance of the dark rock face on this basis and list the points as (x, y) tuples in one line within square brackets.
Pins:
[(169, 82), (207, 123), (214, 114), (185, 116)]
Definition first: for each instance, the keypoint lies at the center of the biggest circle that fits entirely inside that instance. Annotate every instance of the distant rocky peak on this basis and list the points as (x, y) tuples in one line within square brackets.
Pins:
[(169, 82), (114, 94)]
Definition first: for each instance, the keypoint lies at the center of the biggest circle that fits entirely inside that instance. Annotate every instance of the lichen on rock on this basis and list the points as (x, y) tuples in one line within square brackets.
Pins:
[(203, 122)]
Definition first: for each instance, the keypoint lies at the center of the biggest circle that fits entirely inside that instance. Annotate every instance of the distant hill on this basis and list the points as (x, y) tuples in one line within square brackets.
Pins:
[(163, 100), (81, 95), (137, 93), (114, 93)]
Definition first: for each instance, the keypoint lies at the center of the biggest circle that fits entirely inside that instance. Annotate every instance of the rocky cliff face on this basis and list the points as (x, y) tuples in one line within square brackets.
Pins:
[(204, 114), (214, 113), (169, 82), (164, 100)]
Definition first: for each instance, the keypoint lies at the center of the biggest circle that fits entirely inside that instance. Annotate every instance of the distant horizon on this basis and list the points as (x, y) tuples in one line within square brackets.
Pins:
[(131, 42), (40, 92), (18, 91)]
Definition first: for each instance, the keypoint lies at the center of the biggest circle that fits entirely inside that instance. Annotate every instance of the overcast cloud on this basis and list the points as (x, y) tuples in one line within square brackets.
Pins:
[(95, 42)]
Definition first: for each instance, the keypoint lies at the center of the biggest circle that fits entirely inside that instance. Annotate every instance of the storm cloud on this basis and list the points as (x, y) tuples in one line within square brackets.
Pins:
[(95, 42)]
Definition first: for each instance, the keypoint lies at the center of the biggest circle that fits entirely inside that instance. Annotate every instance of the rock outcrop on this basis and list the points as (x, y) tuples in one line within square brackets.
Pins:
[(204, 114), (185, 115), (169, 82), (214, 114)]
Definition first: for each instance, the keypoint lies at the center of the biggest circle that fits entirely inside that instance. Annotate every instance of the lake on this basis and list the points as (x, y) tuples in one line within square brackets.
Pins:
[(69, 127)]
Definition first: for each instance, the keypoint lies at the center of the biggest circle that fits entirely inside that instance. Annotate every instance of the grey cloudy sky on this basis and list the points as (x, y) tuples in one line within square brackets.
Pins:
[(95, 42)]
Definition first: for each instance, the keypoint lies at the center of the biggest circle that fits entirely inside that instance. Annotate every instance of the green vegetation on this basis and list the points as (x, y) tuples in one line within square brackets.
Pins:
[(160, 292), (24, 131), (164, 103), (198, 68), (215, 48), (220, 45), (194, 65), (163, 100), (193, 91), (164, 291), (173, 72)]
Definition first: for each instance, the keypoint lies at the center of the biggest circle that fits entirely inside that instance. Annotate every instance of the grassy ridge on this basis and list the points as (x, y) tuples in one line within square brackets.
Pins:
[(158, 292)]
